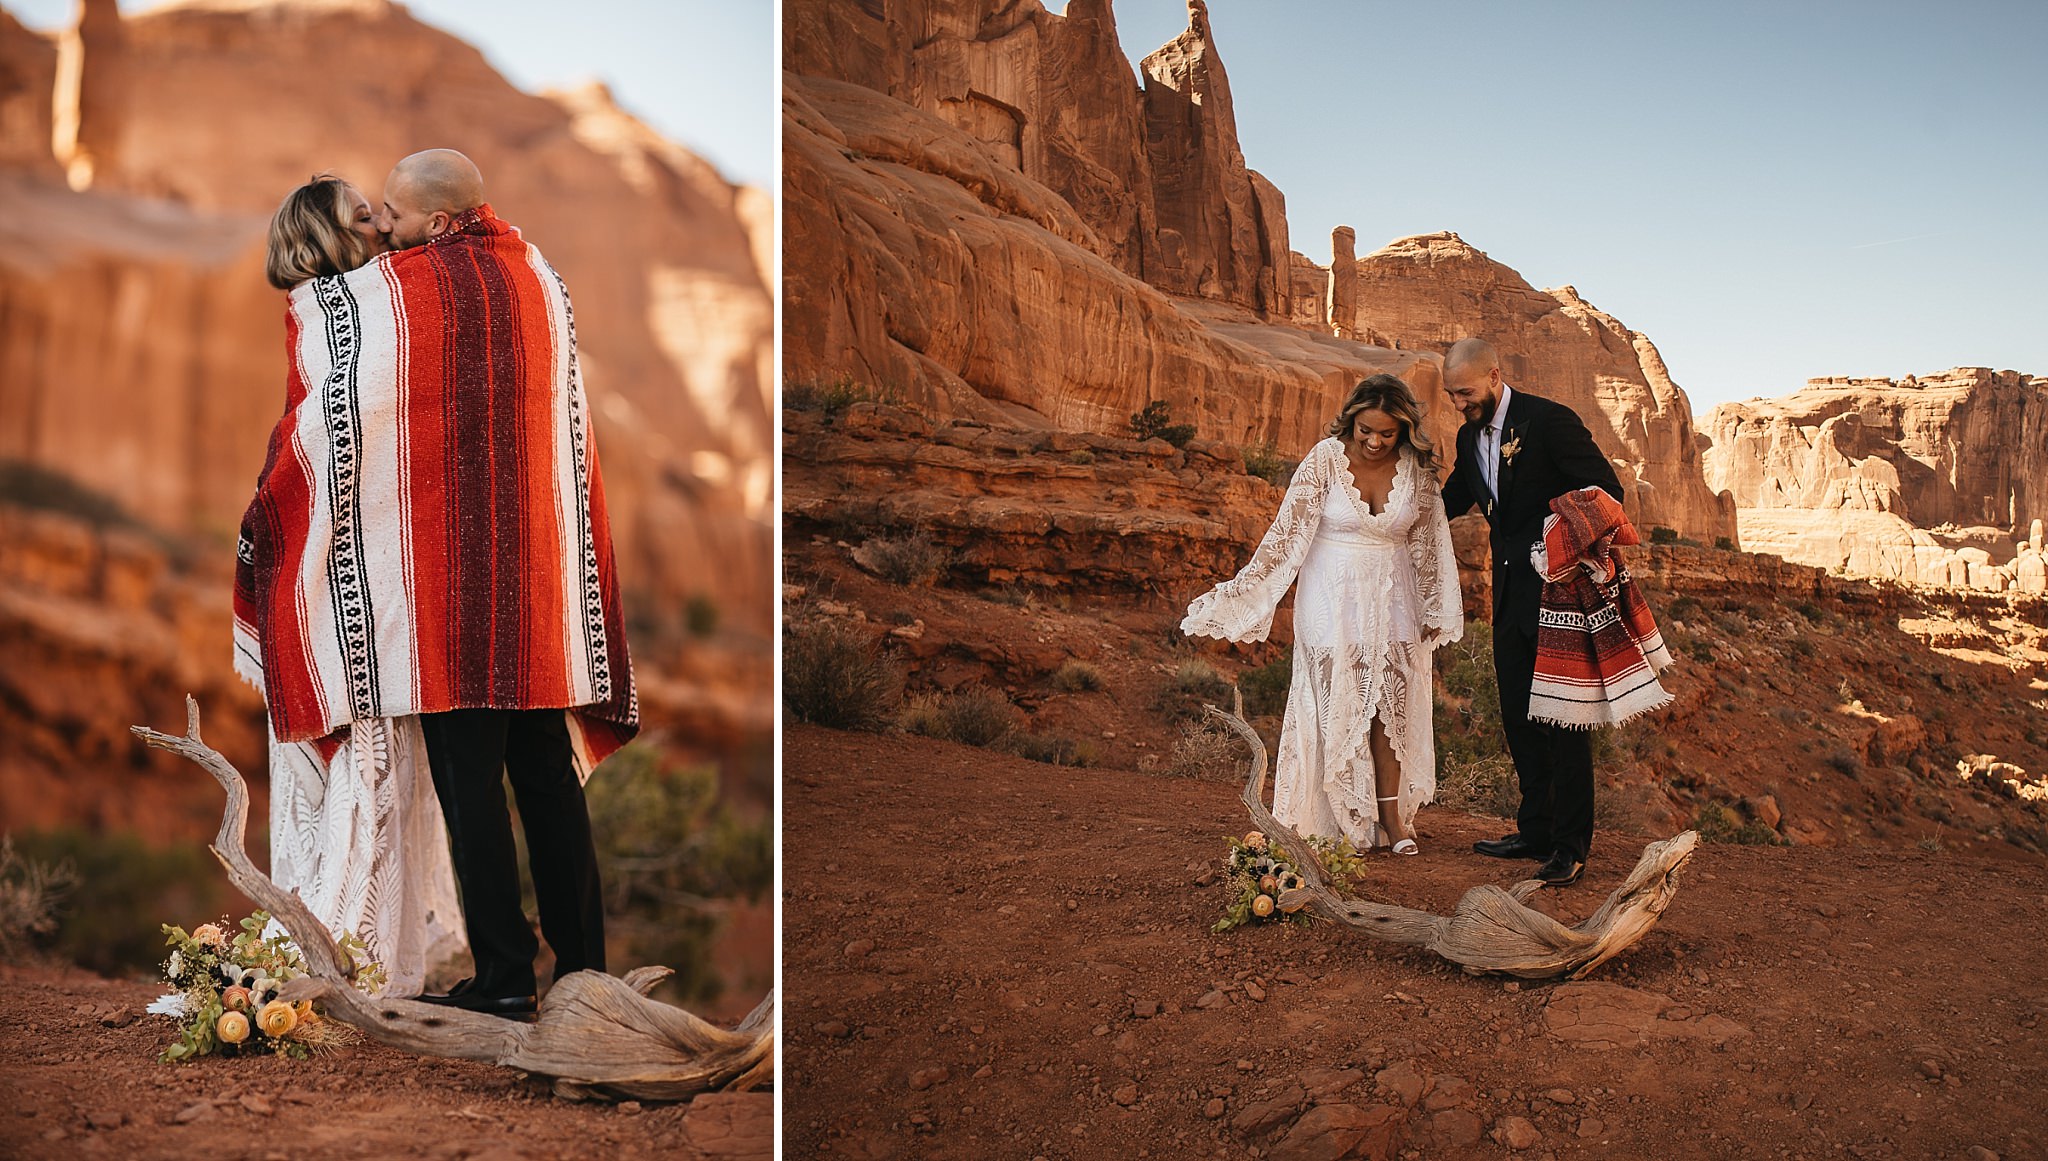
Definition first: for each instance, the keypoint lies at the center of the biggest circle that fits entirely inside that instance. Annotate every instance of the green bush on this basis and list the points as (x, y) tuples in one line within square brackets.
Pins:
[(124, 890), (1265, 688), (31, 895), (701, 615), (904, 560), (1156, 422), (1479, 785), (831, 398), (33, 486), (1471, 731), (1663, 535), (1724, 543), (1193, 685), (1265, 461), (833, 675), (1052, 749), (1208, 751), (1718, 824)]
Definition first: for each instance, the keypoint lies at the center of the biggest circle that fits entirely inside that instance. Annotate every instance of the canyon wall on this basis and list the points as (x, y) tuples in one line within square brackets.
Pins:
[(1939, 479), (143, 353)]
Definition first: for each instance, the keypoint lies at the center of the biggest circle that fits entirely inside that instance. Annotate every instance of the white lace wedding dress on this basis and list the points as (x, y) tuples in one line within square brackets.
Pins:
[(361, 838), (1369, 586)]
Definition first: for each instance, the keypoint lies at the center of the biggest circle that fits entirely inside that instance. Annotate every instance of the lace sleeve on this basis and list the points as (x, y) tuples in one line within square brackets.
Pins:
[(1241, 608), (1436, 568)]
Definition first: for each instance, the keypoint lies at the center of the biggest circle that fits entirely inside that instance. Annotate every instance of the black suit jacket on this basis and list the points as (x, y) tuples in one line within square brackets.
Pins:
[(1557, 455)]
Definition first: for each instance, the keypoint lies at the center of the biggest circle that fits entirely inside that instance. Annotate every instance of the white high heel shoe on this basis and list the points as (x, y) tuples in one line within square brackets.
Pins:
[(1407, 845)]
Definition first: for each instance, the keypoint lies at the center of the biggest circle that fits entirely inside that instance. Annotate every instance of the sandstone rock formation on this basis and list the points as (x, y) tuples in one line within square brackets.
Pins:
[(1425, 292), (1928, 479), (143, 352)]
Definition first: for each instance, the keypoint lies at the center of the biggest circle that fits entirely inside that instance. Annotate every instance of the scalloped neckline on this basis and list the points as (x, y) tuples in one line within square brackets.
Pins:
[(1403, 469)]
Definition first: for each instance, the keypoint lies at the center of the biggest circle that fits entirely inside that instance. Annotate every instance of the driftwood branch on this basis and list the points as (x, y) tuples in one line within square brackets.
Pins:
[(1491, 932), (597, 1035)]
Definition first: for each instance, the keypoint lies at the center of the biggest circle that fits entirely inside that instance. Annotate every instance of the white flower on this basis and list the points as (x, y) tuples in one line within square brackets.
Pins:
[(231, 972), (176, 967), (172, 1004)]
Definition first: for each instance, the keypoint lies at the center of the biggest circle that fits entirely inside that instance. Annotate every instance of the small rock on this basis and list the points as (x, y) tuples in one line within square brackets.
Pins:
[(1245, 1066), (1679, 1013), (859, 948), (1126, 1094), (1511, 987), (1144, 1009), (1516, 1133), (924, 1078), (196, 1111), (109, 1118), (1402, 1079), (1257, 993), (836, 1029), (1931, 1069), (984, 1072), (1211, 999), (629, 1108), (1592, 1127), (1980, 1153), (1214, 1109), (1802, 1101), (1561, 1096), (255, 1103)]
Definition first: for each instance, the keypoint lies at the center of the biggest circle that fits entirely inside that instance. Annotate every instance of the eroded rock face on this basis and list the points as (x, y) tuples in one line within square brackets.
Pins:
[(918, 263), (1873, 475), (1426, 292), (28, 77), (137, 318)]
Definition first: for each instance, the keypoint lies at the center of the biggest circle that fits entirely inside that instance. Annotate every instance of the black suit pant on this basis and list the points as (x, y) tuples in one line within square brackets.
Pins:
[(471, 752), (1554, 765)]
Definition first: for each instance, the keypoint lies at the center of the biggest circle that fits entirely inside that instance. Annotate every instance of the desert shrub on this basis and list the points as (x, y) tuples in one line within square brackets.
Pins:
[(1265, 461), (1683, 609), (904, 560), (1081, 456), (31, 893), (830, 398), (1724, 543), (1469, 730), (1718, 824), (1800, 647), (1076, 676), (1844, 763), (33, 486), (1052, 749), (1205, 750), (1663, 535), (834, 675), (1017, 596), (123, 889), (700, 614), (1700, 650), (974, 715), (1193, 684), (670, 853), (1156, 422), (1479, 785), (1265, 688)]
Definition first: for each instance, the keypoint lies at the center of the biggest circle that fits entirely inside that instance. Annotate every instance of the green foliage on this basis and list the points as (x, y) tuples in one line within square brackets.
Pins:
[(1249, 863), (1204, 750), (701, 615), (671, 852), (1724, 543), (1076, 676), (1663, 535), (1081, 455), (1468, 725), (1683, 609), (33, 486), (1265, 461), (974, 715), (1718, 824), (1701, 650), (1812, 612), (833, 675), (1192, 685), (130, 887), (832, 398), (1844, 763), (1156, 422), (1265, 688)]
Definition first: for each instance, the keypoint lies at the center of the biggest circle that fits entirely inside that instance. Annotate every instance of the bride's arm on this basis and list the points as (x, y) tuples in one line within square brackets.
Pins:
[(1436, 570), (1241, 608)]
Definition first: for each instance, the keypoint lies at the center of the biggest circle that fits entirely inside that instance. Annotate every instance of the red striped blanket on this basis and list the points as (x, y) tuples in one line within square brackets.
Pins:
[(429, 529), (1598, 651)]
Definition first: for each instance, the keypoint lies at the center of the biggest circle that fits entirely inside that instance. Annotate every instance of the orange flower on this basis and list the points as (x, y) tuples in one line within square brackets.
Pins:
[(277, 1018), (235, 999), (232, 1028)]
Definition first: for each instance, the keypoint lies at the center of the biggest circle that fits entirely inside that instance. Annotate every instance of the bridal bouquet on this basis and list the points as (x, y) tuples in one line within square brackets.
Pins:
[(224, 993), (1260, 871)]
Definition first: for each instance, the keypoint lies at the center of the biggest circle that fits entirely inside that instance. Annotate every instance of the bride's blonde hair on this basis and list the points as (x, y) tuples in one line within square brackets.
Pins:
[(1386, 393), (310, 235)]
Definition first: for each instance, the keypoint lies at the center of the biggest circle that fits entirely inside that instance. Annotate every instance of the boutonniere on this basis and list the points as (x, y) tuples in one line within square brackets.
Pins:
[(1510, 449)]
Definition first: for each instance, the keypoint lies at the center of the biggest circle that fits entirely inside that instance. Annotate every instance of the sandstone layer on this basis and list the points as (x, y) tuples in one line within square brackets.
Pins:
[(1939, 479), (134, 318)]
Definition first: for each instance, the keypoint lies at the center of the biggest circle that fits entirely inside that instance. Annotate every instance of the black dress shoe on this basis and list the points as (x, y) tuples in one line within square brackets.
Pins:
[(1561, 871), (470, 998), (1512, 846)]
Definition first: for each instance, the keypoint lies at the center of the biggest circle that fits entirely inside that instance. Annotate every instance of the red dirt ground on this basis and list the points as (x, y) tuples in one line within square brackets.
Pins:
[(79, 1078), (991, 957)]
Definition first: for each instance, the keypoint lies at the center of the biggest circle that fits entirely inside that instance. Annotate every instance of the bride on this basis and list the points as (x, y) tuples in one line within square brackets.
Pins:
[(355, 827), (1362, 529)]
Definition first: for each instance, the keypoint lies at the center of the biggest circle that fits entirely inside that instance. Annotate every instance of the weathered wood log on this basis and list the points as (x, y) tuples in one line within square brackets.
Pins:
[(1491, 932), (596, 1035)]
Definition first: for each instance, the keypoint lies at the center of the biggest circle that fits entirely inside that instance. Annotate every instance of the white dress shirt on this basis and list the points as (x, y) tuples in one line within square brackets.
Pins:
[(1489, 443)]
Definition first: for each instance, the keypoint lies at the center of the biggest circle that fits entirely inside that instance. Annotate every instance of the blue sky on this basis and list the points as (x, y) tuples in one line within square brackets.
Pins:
[(704, 72), (1770, 191)]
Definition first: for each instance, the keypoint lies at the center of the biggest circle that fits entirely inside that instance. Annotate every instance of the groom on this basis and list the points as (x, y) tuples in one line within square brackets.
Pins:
[(536, 683), (1516, 453)]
